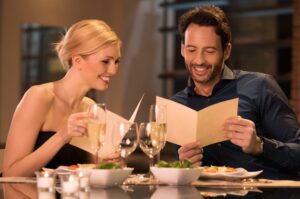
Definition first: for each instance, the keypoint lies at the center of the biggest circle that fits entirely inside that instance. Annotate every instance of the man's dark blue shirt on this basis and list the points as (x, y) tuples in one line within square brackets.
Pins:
[(262, 101)]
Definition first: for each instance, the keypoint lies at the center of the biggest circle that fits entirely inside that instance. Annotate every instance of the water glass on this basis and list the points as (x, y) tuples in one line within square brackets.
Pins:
[(125, 139), (151, 139)]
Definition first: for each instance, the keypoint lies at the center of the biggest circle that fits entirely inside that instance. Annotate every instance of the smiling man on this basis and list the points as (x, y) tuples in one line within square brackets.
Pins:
[(266, 134)]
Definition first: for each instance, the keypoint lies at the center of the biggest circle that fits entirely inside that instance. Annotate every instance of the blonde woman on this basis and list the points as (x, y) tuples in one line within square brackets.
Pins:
[(49, 115)]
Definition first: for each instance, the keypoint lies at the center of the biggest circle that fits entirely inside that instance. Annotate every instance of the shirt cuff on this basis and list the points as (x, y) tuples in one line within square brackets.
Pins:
[(269, 147)]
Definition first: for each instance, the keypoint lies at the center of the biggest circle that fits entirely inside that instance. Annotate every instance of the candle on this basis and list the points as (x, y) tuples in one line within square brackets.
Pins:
[(84, 195), (45, 181), (84, 179), (46, 195), (70, 186), (84, 182)]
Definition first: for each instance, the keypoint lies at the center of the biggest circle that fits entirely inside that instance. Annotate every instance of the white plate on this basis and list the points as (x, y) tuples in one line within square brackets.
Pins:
[(176, 176), (240, 173), (108, 177), (100, 177), (61, 170)]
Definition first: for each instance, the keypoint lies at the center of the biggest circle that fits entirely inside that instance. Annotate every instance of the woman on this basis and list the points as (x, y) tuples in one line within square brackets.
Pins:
[(49, 115)]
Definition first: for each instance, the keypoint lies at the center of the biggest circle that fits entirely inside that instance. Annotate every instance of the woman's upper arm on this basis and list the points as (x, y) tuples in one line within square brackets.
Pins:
[(26, 123)]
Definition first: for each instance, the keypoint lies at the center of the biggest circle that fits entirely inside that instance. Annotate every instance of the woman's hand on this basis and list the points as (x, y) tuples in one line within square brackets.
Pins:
[(191, 151), (76, 126), (114, 157)]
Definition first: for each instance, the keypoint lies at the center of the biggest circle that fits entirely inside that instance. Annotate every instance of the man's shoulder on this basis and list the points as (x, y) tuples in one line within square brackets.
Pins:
[(249, 74), (180, 96)]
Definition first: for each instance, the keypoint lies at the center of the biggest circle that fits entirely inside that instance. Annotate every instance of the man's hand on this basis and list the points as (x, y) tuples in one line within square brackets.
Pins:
[(242, 132), (191, 151)]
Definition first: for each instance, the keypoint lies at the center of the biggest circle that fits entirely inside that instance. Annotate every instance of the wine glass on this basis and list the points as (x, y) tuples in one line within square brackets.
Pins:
[(158, 114), (124, 139), (151, 140), (97, 127)]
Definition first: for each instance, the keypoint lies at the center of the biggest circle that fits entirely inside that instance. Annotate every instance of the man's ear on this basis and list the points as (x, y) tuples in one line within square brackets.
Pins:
[(227, 51), (182, 49)]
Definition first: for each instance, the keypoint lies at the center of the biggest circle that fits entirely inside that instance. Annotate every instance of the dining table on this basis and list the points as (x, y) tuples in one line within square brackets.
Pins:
[(137, 187)]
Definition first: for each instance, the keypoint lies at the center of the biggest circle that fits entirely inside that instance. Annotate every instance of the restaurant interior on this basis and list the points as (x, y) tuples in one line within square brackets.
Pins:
[(265, 39)]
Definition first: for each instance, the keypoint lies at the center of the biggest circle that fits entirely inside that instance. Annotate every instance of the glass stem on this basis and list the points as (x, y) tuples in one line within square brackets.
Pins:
[(151, 164), (158, 157), (97, 157), (124, 162)]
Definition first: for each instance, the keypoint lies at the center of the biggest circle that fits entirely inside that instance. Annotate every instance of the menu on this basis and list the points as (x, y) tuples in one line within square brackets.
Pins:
[(107, 148), (185, 125)]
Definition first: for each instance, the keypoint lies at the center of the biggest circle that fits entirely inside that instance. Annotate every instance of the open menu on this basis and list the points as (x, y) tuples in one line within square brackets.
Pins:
[(107, 148), (185, 125)]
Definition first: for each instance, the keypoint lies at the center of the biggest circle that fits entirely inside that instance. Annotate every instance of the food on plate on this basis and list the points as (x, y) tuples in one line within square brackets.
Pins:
[(219, 169), (107, 165), (100, 165), (83, 166), (175, 164), (73, 167), (86, 166)]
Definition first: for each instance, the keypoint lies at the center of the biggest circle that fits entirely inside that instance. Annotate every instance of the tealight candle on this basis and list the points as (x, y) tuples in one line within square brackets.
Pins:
[(45, 180), (84, 180), (46, 195), (70, 184)]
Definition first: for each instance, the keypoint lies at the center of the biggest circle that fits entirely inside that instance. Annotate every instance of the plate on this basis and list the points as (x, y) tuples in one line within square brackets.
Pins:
[(176, 176), (239, 173), (61, 170), (108, 177), (100, 177)]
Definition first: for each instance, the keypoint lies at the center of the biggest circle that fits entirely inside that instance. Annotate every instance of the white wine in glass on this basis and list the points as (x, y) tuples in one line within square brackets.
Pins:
[(97, 127), (158, 115)]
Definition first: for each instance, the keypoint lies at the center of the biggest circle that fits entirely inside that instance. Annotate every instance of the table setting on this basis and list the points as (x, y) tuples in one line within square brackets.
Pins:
[(176, 179)]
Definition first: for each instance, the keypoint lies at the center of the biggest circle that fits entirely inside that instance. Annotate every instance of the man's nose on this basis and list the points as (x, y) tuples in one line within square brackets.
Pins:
[(199, 58)]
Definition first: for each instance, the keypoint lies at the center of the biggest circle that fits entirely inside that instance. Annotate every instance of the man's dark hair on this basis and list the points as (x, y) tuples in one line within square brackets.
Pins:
[(207, 16)]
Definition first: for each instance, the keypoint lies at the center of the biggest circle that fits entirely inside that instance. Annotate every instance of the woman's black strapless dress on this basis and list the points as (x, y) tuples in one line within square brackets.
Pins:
[(66, 156)]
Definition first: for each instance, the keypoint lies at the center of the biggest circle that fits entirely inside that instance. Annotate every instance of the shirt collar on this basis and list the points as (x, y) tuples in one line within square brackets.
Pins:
[(226, 75)]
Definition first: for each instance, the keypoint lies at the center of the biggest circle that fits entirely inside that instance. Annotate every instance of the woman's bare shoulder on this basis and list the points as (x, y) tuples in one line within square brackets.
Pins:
[(39, 94)]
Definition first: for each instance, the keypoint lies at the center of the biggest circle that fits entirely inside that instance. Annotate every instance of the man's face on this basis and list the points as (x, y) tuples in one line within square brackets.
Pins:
[(203, 54)]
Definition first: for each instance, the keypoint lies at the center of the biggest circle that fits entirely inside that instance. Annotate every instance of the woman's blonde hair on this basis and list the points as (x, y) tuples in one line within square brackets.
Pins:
[(85, 38)]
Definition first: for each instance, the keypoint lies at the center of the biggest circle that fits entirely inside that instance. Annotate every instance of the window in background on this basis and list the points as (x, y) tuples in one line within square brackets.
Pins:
[(40, 63), (261, 38)]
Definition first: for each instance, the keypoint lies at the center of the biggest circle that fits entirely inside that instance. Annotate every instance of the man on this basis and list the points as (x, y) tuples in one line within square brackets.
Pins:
[(265, 135)]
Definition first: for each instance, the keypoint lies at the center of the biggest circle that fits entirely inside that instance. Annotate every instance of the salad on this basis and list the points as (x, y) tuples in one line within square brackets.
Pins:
[(176, 164), (100, 165)]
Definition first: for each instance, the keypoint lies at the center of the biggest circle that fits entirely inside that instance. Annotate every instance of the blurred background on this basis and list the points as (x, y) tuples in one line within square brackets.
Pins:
[(265, 35)]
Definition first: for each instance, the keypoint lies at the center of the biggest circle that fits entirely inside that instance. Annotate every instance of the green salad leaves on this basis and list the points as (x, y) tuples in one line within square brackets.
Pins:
[(107, 165), (176, 164)]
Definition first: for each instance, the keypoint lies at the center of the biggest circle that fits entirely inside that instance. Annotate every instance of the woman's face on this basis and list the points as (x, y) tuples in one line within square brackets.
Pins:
[(99, 67)]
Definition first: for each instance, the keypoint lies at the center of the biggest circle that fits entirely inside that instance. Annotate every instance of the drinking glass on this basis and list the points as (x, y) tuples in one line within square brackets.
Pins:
[(125, 139), (151, 139), (97, 127), (158, 114)]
